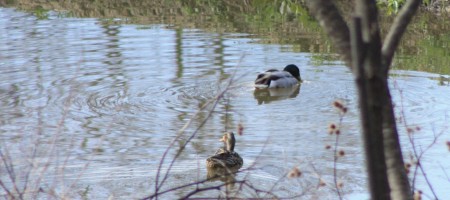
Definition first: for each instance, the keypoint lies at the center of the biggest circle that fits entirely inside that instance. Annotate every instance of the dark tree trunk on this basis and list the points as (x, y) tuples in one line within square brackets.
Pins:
[(375, 101), (368, 84)]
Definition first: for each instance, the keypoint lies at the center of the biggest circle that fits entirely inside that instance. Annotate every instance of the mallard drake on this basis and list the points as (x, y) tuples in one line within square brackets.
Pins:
[(274, 78), (226, 157)]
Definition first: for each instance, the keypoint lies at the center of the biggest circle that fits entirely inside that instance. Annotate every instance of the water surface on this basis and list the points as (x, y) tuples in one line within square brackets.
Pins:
[(102, 101)]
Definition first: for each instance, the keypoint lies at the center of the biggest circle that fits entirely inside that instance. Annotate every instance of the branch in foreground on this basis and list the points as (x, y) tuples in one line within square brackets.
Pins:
[(415, 149), (396, 31), (327, 14), (218, 187)]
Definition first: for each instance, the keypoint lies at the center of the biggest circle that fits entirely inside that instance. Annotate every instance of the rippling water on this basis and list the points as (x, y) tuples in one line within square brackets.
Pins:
[(113, 97)]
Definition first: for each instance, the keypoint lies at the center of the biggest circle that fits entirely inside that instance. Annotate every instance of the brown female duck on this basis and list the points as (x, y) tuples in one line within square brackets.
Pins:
[(226, 157)]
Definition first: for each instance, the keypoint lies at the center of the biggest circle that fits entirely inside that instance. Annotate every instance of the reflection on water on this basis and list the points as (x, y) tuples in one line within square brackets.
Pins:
[(222, 174), (112, 97), (268, 95)]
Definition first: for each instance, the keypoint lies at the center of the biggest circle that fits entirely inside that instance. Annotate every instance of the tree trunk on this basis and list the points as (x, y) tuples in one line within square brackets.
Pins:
[(371, 118), (398, 179), (370, 63)]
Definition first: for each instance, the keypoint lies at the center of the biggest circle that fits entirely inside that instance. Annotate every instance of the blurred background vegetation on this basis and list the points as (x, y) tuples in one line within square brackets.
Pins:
[(425, 47)]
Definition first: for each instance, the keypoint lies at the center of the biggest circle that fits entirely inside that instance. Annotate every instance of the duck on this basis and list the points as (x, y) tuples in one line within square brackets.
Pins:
[(226, 157), (273, 78)]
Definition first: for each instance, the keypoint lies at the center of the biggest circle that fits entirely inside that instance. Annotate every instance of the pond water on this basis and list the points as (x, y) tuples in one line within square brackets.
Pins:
[(93, 106)]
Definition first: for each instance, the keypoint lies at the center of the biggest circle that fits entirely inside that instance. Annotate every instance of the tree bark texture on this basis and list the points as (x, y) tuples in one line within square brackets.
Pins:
[(334, 25), (396, 31), (397, 176), (371, 124), (378, 86)]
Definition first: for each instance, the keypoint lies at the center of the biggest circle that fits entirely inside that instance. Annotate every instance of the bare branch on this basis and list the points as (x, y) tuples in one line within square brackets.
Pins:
[(396, 31), (9, 193), (177, 188), (418, 156), (6, 159), (334, 25), (336, 130)]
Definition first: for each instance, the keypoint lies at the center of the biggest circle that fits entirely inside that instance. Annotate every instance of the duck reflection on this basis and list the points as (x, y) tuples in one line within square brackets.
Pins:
[(267, 95), (226, 175)]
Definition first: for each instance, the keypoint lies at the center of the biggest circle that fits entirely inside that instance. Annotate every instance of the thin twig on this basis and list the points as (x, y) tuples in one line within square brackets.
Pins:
[(35, 147), (198, 190), (6, 158), (336, 156), (175, 188), (445, 172), (418, 156), (419, 164), (243, 182), (10, 195), (31, 165), (317, 174), (335, 167)]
